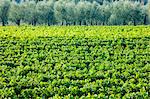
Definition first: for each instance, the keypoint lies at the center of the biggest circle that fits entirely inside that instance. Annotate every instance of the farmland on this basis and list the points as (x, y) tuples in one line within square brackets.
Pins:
[(75, 62)]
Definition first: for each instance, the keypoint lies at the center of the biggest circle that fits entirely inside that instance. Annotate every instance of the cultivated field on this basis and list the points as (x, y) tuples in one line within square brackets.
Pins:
[(75, 62)]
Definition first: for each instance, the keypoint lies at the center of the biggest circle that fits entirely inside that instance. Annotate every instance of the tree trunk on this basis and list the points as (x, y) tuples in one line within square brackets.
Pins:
[(34, 23), (96, 22), (134, 22), (145, 19), (80, 23), (18, 22), (124, 23), (103, 23), (84, 22), (91, 23), (3, 23), (74, 23), (48, 23)]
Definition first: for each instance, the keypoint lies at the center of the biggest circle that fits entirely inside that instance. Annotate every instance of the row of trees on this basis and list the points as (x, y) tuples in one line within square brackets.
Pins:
[(98, 1), (73, 12)]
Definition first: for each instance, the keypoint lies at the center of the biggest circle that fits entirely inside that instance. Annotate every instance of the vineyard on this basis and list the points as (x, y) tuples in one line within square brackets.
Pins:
[(72, 62)]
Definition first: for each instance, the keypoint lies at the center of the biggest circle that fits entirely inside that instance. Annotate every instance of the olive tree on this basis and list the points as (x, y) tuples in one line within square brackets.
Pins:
[(31, 14), (4, 9), (17, 12), (138, 13), (105, 13), (60, 12), (46, 12), (71, 13), (118, 13), (147, 8), (84, 12), (126, 12), (96, 14)]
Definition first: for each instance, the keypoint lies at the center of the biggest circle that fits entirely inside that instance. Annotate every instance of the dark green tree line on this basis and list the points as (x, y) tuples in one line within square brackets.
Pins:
[(73, 12)]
